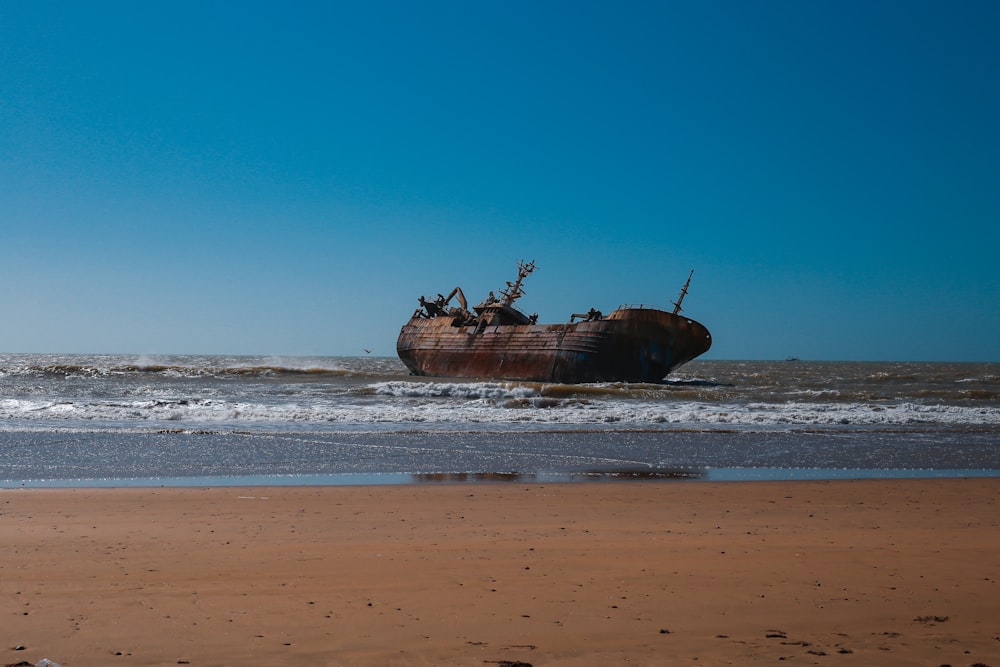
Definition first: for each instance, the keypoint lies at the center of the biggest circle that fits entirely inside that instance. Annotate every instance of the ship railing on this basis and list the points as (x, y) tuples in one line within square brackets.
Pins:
[(638, 306)]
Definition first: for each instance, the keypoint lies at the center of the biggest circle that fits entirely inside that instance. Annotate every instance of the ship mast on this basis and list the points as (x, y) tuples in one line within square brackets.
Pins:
[(514, 291), (684, 291)]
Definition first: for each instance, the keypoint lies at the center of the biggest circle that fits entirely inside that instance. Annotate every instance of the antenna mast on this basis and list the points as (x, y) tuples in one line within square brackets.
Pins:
[(514, 291), (684, 291)]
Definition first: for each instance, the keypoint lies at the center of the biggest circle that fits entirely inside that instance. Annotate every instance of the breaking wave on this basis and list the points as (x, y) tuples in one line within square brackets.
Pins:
[(486, 404), (273, 392)]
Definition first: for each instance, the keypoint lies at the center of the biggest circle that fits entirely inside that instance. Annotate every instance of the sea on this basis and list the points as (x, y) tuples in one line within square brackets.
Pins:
[(173, 420)]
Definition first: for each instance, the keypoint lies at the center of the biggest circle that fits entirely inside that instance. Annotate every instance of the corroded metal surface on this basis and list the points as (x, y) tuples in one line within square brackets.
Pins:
[(631, 344)]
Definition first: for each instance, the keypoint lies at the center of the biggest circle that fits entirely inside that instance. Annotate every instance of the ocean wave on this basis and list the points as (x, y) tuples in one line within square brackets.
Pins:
[(481, 403), (464, 390), (501, 390), (177, 371), (193, 366), (274, 392)]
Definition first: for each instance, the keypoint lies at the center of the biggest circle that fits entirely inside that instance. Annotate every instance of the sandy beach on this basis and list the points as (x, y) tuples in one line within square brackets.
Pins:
[(887, 572)]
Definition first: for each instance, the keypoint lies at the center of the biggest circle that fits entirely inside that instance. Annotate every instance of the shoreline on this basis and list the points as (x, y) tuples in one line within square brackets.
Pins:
[(742, 474), (880, 571)]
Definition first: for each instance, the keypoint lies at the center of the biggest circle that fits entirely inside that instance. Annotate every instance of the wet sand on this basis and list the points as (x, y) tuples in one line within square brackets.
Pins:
[(887, 572)]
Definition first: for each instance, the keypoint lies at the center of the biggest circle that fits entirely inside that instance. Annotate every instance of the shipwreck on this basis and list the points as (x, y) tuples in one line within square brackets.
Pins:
[(495, 340)]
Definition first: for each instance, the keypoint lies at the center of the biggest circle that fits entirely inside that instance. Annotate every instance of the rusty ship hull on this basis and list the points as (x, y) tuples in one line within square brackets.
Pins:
[(631, 344), (497, 341)]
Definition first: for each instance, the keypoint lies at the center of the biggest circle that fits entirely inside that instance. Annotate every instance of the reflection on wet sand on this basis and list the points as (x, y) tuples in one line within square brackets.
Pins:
[(435, 477), (631, 475), (604, 475)]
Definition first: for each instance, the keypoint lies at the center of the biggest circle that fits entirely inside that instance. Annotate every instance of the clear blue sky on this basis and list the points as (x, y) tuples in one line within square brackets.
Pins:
[(286, 178)]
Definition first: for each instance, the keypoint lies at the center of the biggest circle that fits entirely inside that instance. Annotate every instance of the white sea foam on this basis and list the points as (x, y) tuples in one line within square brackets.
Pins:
[(480, 403), (273, 392), (467, 390)]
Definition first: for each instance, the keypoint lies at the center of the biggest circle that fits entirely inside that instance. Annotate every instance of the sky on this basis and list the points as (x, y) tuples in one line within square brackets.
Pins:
[(287, 178)]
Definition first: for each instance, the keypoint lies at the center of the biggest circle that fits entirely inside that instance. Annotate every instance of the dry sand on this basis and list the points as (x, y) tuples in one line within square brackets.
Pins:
[(884, 572)]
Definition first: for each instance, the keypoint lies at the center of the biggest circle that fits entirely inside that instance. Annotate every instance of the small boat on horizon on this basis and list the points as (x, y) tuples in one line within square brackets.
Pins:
[(495, 340)]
